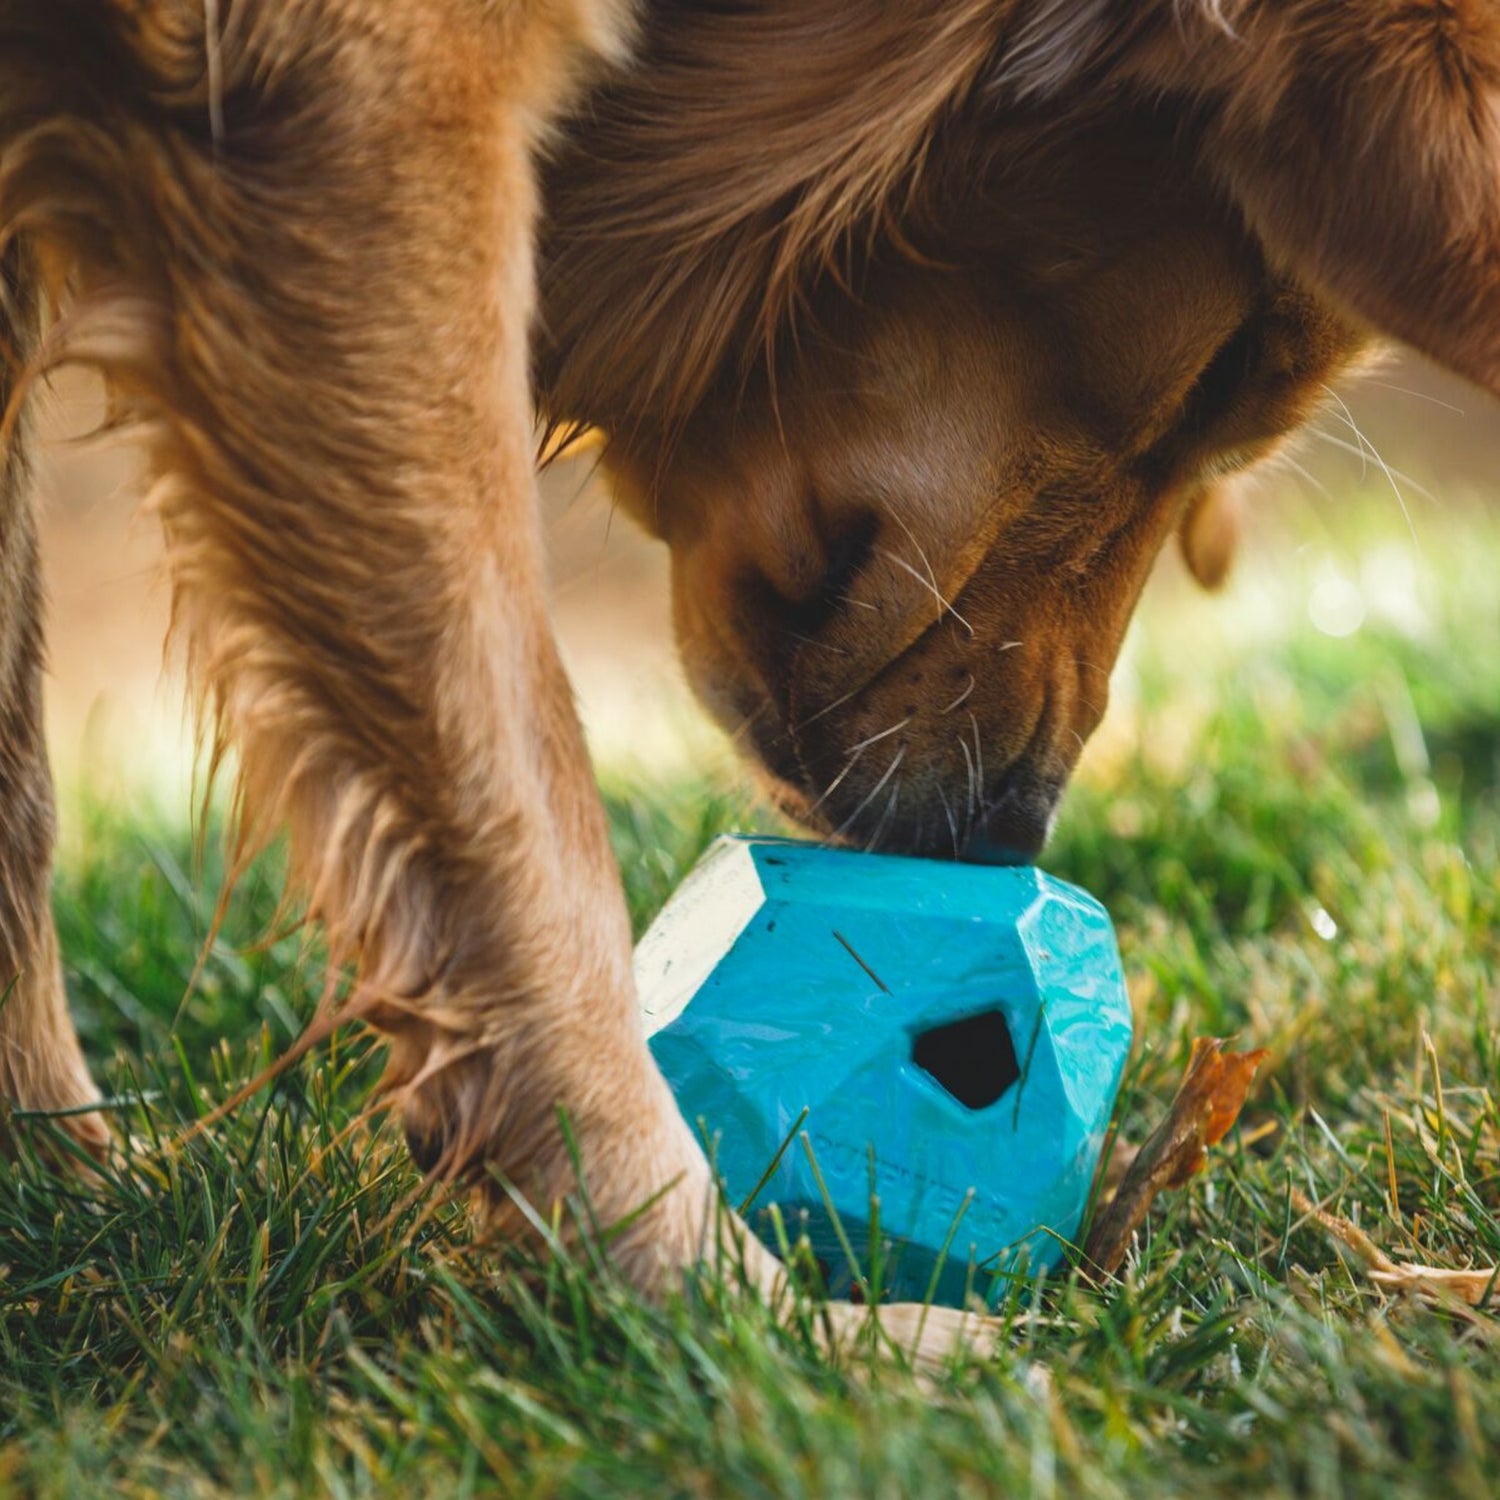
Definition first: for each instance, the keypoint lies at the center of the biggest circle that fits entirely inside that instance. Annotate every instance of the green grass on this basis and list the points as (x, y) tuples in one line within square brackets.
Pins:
[(1300, 839)]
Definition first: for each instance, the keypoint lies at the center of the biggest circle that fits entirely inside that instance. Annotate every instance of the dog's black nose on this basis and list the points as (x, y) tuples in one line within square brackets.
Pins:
[(1015, 827)]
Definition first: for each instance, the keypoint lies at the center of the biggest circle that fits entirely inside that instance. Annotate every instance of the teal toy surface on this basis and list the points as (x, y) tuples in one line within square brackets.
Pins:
[(955, 1035)]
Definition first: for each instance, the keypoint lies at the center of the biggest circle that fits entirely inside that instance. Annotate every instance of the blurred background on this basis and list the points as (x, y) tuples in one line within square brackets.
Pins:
[(1334, 541), (116, 705)]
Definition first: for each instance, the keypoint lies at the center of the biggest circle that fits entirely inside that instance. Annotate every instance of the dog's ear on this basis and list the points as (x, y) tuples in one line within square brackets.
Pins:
[(1209, 535), (1362, 144)]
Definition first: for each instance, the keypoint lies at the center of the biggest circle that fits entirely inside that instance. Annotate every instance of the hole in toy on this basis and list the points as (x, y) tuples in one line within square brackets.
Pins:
[(973, 1059)]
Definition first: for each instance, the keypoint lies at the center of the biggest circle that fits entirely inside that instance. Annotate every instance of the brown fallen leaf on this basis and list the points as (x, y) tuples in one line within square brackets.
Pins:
[(1473, 1287), (1208, 1103)]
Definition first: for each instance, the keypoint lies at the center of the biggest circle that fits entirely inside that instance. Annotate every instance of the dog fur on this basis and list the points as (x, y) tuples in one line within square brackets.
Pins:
[(915, 330)]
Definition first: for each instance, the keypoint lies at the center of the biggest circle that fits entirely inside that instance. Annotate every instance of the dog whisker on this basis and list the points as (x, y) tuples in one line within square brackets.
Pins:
[(942, 797), (962, 698), (838, 780), (1094, 708), (978, 753), (927, 584), (854, 752), (828, 708), (1391, 474), (1392, 477), (1306, 475), (1093, 666), (922, 556), (1367, 447), (741, 736), (1403, 390), (886, 818), (884, 734), (872, 794), (807, 640), (963, 745), (747, 723)]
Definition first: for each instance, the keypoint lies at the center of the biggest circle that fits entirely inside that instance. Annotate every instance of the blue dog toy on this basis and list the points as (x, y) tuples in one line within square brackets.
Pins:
[(955, 1035)]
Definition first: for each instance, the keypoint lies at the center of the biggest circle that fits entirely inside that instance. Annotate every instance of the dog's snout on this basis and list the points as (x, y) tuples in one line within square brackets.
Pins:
[(1015, 827)]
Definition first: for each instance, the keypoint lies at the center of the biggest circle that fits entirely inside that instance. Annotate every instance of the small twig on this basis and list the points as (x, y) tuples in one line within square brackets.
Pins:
[(1205, 1109)]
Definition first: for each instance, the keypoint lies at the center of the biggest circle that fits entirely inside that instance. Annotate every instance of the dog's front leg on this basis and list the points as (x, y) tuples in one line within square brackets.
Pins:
[(301, 253), (359, 565), (41, 1064)]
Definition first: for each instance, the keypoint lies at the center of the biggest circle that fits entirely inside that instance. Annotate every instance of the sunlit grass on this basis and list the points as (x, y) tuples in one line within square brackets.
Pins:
[(1299, 836)]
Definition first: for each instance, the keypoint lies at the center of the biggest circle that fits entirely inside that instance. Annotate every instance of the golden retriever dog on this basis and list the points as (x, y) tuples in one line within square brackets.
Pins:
[(916, 330)]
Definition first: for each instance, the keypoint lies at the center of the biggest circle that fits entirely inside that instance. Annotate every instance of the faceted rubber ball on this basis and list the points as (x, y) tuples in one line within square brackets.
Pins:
[(928, 1052)]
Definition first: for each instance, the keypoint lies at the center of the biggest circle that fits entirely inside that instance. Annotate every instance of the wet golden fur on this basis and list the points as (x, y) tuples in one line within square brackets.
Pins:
[(915, 330)]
